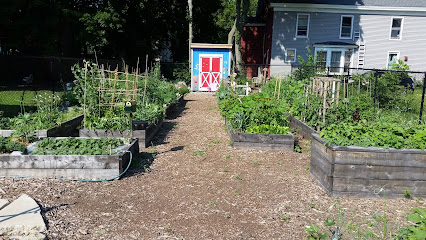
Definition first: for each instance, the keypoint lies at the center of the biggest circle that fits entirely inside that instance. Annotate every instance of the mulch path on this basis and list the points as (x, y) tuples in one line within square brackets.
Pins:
[(198, 187)]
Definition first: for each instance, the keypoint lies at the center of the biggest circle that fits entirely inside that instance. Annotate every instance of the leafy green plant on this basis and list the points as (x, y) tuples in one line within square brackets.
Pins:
[(417, 231), (270, 129), (7, 146), (78, 146)]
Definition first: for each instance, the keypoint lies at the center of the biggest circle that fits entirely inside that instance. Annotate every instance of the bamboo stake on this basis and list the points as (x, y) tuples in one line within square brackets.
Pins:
[(85, 89), (146, 78), (337, 94), (113, 90), (324, 102), (279, 89), (275, 90), (359, 88)]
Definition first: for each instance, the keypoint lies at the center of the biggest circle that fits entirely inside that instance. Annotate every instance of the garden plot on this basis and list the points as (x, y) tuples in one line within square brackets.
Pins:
[(113, 99), (261, 141), (368, 172), (65, 129), (144, 136), (255, 121), (361, 147), (76, 158)]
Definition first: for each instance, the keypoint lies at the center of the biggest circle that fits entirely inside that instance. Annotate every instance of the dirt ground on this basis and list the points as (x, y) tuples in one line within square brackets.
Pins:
[(198, 187)]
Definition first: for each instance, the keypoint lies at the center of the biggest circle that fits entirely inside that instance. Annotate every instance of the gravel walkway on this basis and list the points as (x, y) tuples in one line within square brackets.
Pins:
[(197, 187)]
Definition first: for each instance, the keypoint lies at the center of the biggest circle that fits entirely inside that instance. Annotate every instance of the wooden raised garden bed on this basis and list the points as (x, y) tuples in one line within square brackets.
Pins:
[(65, 129), (302, 128), (261, 141), (91, 167), (144, 136), (173, 107), (363, 172)]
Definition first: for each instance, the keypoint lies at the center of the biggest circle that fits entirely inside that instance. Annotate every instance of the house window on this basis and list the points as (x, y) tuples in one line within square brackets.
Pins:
[(302, 25), (348, 57), (396, 28), (336, 59), (290, 55), (346, 24), (392, 58), (321, 60)]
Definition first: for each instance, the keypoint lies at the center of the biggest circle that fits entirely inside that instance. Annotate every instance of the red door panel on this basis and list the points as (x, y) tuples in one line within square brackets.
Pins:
[(205, 72)]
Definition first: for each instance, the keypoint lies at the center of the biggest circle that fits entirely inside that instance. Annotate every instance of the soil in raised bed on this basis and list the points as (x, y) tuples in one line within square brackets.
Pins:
[(197, 187)]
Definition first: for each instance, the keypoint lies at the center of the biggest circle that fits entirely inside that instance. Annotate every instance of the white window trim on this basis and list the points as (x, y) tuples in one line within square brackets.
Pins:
[(341, 25), (342, 57), (387, 58), (400, 33), (295, 56), (297, 25)]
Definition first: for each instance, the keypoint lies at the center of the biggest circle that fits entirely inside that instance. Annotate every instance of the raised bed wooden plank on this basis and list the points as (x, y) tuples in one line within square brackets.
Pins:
[(372, 172), (261, 141), (370, 188), (68, 166), (362, 173), (65, 129), (303, 129), (324, 180), (378, 157), (263, 146), (144, 136), (89, 174), (59, 161)]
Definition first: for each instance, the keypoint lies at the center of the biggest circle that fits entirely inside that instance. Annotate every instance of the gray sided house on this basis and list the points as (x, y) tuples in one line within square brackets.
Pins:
[(348, 33)]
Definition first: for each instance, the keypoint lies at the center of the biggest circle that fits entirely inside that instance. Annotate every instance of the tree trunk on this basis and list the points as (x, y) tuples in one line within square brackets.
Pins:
[(190, 31)]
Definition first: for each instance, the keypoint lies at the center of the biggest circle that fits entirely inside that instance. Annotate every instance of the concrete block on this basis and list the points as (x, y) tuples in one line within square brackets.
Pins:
[(3, 203), (22, 218)]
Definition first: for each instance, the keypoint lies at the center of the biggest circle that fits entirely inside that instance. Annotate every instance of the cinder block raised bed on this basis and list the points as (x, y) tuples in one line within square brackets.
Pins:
[(67, 166), (363, 172), (65, 129), (261, 141), (144, 136)]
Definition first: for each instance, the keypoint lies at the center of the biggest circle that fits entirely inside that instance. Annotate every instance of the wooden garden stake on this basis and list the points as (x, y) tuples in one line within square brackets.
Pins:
[(85, 89), (279, 89), (275, 90), (337, 94), (359, 87), (113, 87), (324, 101), (146, 79)]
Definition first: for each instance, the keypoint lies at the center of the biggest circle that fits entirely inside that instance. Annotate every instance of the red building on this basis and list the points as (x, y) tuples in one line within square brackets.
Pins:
[(256, 41)]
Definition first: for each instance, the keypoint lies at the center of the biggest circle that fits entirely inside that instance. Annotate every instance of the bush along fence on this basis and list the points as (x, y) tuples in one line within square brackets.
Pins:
[(255, 121), (361, 147)]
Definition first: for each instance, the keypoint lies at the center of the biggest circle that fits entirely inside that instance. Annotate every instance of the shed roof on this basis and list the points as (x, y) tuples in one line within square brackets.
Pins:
[(380, 3), (210, 45)]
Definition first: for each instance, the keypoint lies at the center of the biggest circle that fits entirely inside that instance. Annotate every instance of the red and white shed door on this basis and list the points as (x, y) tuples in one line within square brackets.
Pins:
[(210, 72)]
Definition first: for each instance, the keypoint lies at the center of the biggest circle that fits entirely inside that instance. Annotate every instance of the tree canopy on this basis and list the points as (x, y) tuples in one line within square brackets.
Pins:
[(114, 29)]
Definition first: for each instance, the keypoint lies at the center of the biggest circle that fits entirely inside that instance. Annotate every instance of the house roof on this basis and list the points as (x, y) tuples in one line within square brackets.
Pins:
[(379, 3)]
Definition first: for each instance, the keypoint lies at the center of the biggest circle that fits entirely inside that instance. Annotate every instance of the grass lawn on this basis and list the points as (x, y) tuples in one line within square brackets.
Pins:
[(13, 102)]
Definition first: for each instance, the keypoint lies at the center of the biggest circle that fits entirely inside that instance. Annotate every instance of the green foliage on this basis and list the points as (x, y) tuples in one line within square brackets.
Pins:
[(8, 146), (151, 106), (307, 68), (78, 146), (270, 129), (182, 73), (383, 134), (417, 231), (253, 110)]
